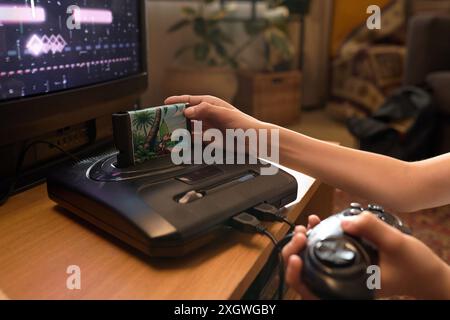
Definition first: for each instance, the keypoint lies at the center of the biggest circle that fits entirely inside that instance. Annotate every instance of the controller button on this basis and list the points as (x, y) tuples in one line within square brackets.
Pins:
[(377, 208), (335, 253), (352, 212), (356, 205)]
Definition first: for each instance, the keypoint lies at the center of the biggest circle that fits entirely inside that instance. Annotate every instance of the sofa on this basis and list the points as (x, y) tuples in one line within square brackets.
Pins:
[(428, 64)]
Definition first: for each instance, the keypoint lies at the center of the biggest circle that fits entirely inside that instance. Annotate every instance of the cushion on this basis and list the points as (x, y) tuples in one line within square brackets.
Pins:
[(439, 82)]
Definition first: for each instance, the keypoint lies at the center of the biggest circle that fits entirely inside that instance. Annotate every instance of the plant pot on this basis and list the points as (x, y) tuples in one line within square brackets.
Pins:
[(272, 97), (218, 82)]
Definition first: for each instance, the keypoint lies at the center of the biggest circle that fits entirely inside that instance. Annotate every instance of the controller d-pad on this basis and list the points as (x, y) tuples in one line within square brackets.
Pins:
[(335, 252)]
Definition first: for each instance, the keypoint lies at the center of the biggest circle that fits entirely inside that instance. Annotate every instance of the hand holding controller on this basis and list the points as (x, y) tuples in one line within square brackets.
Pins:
[(335, 263)]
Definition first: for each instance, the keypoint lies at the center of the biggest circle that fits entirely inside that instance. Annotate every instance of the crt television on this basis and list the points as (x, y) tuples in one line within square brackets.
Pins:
[(66, 62)]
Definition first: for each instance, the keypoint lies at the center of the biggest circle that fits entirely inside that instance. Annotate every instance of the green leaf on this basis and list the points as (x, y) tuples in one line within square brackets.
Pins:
[(164, 130), (255, 27), (233, 63), (201, 51), (189, 11), (179, 25), (280, 42), (217, 35), (221, 50), (213, 34), (200, 27), (211, 24), (212, 62), (225, 38), (298, 6), (218, 15), (276, 3), (182, 50)]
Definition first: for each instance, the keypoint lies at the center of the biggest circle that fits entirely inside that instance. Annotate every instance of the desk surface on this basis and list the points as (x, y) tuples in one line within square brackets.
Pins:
[(38, 241)]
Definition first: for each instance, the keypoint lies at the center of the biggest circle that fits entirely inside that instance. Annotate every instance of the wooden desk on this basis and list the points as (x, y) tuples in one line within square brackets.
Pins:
[(39, 240)]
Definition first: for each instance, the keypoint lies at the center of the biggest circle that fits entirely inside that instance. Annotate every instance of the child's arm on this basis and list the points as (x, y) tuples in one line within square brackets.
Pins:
[(395, 184), (408, 267)]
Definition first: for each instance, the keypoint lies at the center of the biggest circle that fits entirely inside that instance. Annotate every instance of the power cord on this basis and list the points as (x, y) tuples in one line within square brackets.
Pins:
[(4, 198), (248, 223), (270, 213)]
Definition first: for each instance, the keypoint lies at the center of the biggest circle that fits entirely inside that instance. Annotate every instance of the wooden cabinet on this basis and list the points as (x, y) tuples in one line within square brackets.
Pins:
[(272, 97)]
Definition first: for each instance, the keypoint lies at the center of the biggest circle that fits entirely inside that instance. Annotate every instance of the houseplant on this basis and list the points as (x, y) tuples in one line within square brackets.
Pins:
[(205, 66), (215, 58), (272, 92)]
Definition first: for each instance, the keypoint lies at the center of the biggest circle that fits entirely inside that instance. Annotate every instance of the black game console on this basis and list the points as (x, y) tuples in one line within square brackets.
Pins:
[(335, 263), (162, 209)]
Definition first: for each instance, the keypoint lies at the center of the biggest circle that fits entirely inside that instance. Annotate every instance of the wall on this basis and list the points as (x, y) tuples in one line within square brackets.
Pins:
[(316, 64), (161, 46)]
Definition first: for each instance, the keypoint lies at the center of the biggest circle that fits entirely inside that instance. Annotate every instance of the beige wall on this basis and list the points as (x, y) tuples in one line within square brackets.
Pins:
[(161, 46), (317, 59)]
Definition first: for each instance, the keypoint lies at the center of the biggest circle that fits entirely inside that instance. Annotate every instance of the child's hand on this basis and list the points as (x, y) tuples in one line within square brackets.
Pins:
[(216, 113), (408, 267), (293, 262)]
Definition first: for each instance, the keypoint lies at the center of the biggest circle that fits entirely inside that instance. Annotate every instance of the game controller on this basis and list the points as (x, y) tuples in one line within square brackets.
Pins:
[(335, 264)]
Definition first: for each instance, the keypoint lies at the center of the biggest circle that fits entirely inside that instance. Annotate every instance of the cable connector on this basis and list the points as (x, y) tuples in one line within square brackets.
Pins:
[(247, 223), (270, 213)]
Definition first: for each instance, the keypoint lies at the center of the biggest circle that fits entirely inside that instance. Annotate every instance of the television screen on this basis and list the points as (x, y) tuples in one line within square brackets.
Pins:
[(49, 46)]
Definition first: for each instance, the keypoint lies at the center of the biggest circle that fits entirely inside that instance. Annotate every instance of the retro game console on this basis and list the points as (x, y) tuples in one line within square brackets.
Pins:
[(157, 207)]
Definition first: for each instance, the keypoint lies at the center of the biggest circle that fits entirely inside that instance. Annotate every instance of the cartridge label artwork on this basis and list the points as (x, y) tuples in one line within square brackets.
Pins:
[(145, 135)]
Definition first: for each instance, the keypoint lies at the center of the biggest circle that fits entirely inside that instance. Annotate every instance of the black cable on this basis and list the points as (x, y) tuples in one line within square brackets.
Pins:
[(290, 224), (265, 232), (248, 223), (270, 213), (287, 238), (20, 162)]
